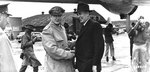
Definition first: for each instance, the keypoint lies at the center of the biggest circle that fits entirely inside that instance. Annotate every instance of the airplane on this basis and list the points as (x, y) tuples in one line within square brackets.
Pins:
[(124, 8), (120, 7)]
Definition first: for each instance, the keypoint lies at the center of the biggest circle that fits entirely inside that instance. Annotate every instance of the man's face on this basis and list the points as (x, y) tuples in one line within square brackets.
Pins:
[(3, 20), (83, 16), (56, 19)]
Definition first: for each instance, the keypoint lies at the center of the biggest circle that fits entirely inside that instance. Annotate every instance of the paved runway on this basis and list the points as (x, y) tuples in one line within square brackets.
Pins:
[(122, 54)]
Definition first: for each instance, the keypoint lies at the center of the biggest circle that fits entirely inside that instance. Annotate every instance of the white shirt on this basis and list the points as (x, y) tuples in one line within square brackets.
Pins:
[(86, 22)]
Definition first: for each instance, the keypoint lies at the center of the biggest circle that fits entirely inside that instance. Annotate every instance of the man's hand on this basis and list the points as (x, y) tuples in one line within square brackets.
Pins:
[(71, 44), (72, 51), (94, 68), (108, 21), (76, 70)]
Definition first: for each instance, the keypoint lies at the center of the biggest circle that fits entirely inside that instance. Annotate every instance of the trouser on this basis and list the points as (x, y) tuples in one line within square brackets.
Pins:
[(23, 68), (131, 47), (111, 46), (144, 54), (99, 67), (88, 68)]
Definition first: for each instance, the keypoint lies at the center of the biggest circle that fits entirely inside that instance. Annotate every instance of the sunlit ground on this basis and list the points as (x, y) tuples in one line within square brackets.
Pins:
[(122, 54)]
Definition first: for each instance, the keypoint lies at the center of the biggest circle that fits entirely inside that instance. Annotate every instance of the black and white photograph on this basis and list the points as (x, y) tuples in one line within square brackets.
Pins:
[(74, 35)]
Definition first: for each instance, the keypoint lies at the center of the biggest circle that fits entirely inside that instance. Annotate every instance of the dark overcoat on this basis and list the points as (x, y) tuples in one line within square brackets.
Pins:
[(108, 35), (89, 46)]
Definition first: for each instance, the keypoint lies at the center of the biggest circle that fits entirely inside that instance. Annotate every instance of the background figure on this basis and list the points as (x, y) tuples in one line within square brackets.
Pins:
[(131, 36), (148, 36), (90, 42), (66, 27), (109, 42), (6, 59), (28, 55), (58, 54), (70, 34), (141, 40)]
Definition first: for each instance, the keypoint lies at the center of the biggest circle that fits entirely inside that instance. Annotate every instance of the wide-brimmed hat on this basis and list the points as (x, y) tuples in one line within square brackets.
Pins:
[(56, 11), (30, 27), (83, 7), (4, 9)]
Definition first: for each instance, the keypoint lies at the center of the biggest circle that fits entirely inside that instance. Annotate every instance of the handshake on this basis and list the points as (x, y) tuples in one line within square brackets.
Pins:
[(71, 46)]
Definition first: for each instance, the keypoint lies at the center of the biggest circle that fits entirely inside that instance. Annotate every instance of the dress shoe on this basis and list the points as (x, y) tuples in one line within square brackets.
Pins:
[(113, 58), (107, 59)]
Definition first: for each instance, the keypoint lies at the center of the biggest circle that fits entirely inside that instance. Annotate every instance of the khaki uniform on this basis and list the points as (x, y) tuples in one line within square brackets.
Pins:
[(6, 59), (54, 40)]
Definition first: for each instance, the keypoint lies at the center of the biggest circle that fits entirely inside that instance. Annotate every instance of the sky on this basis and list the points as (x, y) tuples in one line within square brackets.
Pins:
[(27, 9)]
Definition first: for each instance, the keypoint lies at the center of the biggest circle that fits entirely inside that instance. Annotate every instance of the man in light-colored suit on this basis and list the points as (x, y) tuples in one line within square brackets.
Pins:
[(54, 39), (6, 59)]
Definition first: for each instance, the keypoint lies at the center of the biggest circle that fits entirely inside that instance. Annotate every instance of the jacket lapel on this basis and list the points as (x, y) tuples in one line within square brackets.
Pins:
[(84, 29)]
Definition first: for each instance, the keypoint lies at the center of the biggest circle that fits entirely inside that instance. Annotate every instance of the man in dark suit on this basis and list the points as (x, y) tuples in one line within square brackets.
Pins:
[(90, 42), (131, 37)]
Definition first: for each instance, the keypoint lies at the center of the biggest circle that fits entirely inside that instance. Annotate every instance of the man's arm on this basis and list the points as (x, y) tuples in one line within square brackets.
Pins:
[(98, 43), (25, 43), (52, 49)]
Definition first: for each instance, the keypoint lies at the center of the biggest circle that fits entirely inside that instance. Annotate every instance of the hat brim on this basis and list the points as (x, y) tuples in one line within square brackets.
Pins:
[(6, 13), (9, 14), (82, 11)]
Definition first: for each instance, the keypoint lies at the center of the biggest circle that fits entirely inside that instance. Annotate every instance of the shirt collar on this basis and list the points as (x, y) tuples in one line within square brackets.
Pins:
[(60, 25), (1, 31), (85, 22)]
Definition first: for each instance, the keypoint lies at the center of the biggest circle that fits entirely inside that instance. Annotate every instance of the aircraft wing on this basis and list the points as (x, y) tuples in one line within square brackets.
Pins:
[(141, 2), (121, 7), (59, 1), (136, 2)]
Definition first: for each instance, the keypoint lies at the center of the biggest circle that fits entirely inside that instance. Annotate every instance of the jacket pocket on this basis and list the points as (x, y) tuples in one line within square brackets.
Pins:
[(57, 37)]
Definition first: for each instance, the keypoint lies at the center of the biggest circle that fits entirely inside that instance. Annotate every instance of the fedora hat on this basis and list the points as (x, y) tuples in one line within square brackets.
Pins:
[(82, 7)]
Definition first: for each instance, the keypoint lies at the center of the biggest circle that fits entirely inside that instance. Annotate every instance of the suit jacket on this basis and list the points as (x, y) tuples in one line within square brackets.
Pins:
[(89, 45), (108, 35)]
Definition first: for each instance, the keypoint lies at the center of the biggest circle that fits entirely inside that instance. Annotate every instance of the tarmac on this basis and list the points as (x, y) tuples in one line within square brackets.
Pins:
[(122, 54)]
